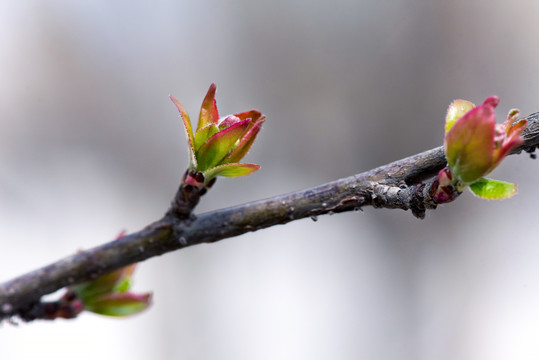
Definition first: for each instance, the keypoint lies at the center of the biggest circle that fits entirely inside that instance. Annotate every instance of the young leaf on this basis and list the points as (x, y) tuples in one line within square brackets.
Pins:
[(204, 134), (188, 131), (469, 145), (215, 149), (119, 304), (102, 285), (208, 111), (230, 170), (245, 143), (251, 114), (493, 189), (456, 110)]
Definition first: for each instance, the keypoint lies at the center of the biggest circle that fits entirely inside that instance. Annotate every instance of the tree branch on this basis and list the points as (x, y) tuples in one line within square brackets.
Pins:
[(402, 184)]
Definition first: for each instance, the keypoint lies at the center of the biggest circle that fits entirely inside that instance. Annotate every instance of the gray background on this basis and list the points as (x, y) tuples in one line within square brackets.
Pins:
[(90, 144)]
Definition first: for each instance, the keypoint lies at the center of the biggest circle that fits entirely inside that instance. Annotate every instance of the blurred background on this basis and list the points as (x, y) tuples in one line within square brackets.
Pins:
[(91, 145)]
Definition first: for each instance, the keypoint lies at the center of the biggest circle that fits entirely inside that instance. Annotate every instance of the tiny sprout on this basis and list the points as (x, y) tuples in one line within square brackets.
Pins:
[(218, 144)]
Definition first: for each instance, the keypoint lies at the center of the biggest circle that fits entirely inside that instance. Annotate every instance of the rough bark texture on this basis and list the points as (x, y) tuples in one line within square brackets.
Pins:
[(402, 184)]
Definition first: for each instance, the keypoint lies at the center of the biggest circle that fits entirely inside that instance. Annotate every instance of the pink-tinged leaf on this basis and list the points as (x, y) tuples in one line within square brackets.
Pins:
[(230, 170), (512, 117), (517, 128), (215, 149), (119, 304), (456, 110), (229, 121), (493, 189), (245, 143), (469, 145), (510, 140), (251, 114), (188, 131), (500, 153), (492, 101), (208, 111), (203, 134)]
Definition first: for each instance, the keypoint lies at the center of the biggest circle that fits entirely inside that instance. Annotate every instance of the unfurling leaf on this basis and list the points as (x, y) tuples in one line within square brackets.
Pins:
[(231, 170), (493, 189), (218, 142)]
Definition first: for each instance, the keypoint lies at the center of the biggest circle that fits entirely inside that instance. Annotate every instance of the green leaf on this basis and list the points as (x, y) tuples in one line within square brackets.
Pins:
[(188, 131), (117, 281), (215, 148), (203, 134), (123, 286), (493, 189), (456, 110), (208, 110), (119, 304), (102, 285), (230, 170)]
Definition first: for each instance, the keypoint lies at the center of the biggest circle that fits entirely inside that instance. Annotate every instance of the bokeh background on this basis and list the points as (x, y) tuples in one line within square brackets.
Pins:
[(90, 145)]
